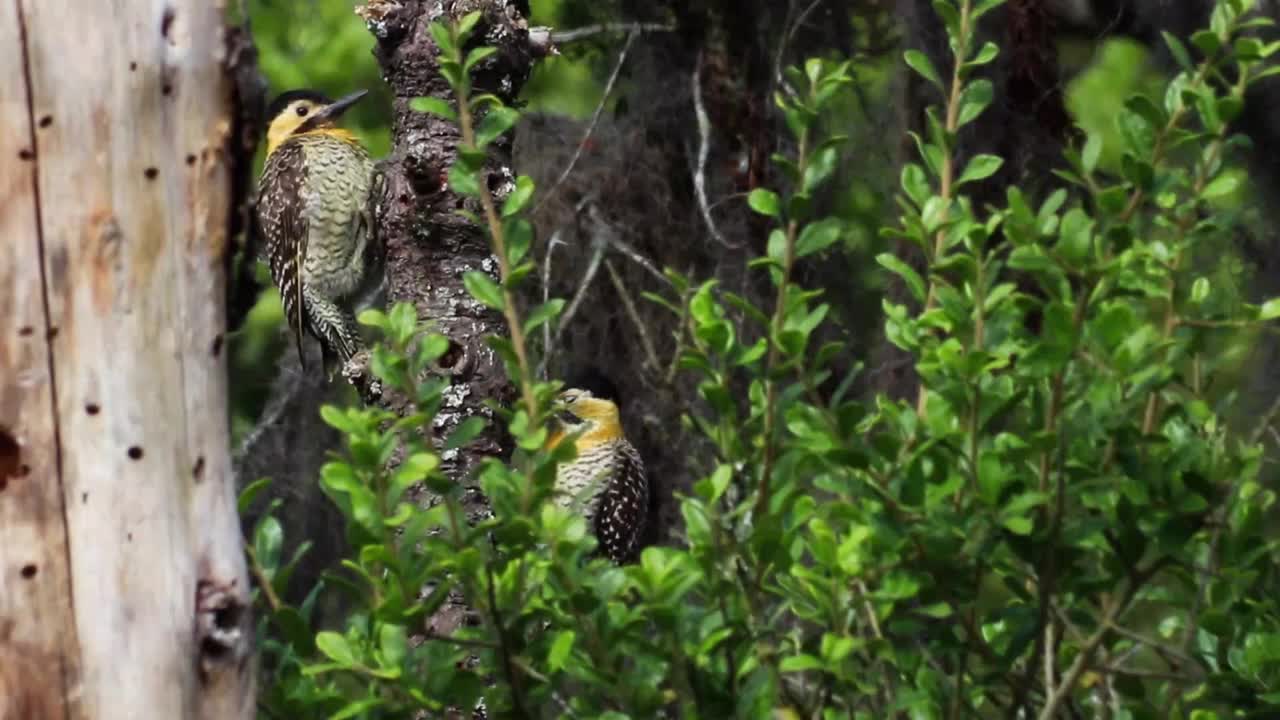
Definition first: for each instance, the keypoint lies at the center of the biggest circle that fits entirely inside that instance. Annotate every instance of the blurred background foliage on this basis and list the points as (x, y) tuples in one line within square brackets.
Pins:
[(322, 44)]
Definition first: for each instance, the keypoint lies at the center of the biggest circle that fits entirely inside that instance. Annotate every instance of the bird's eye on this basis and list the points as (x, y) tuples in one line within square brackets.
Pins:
[(303, 110)]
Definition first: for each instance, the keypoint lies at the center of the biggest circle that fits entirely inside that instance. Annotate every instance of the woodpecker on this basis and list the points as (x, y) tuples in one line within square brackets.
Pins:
[(315, 208), (607, 476)]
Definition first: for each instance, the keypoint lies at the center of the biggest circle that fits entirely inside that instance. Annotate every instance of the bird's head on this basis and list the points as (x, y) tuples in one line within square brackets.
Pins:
[(301, 111), (580, 409)]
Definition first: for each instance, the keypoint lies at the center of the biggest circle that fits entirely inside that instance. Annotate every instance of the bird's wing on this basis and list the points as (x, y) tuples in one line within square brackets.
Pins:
[(284, 223), (620, 518)]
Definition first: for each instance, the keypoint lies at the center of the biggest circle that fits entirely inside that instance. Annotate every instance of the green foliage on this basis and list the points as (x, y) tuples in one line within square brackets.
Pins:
[(1063, 517)]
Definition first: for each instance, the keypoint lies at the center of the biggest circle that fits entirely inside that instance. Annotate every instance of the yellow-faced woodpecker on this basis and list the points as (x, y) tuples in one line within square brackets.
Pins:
[(315, 210), (607, 477)]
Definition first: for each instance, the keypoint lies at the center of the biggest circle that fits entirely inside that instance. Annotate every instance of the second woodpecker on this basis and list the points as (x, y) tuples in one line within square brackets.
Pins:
[(608, 476), (316, 212)]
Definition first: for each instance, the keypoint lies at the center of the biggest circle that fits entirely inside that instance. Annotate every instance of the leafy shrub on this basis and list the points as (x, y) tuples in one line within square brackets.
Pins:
[(1061, 523)]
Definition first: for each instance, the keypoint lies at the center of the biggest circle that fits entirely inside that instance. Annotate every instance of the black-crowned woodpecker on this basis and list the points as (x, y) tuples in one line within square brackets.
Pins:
[(316, 211), (607, 479)]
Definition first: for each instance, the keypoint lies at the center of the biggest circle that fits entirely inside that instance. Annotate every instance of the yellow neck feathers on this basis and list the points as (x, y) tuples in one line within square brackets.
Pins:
[(601, 420), (281, 131)]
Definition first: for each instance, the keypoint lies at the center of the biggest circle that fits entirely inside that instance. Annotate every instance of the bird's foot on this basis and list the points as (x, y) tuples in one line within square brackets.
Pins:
[(357, 372)]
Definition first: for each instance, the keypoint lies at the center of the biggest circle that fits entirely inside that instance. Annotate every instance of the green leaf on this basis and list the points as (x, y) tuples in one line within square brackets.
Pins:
[(819, 168), (483, 288), (463, 181), (337, 419), (560, 649), (985, 54), (764, 201), (1200, 290), (443, 37), (912, 278), (478, 55), (1092, 150), (980, 167), (1224, 184), (519, 197), (434, 106), (1178, 50), (1075, 236), (267, 541), (394, 644), (975, 98), (402, 321), (1270, 310), (466, 431), (468, 24), (519, 234), (335, 647), (357, 708), (250, 493), (496, 122), (818, 236), (800, 663), (418, 465), (543, 313), (920, 62), (1018, 525), (433, 347), (915, 183)]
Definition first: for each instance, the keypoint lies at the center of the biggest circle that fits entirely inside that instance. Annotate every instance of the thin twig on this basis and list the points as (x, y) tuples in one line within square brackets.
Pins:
[(650, 353), (460, 642), (680, 335), (1153, 674), (580, 33), (593, 266), (614, 239), (1050, 654), (788, 35), (546, 297), (591, 127), (871, 612), (1164, 650), (704, 147), (271, 415), (1081, 663), (259, 574)]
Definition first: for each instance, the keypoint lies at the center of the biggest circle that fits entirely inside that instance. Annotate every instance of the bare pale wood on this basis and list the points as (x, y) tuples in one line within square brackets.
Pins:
[(139, 606), (38, 653)]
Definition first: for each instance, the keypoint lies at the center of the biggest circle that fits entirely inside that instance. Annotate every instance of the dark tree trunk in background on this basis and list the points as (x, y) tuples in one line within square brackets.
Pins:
[(429, 245)]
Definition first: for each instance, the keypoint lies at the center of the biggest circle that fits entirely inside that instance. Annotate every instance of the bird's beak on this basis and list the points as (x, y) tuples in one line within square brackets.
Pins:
[(560, 410), (334, 110)]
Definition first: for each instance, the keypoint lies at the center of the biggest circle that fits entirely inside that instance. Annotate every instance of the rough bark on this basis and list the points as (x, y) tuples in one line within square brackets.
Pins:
[(430, 246), (123, 591)]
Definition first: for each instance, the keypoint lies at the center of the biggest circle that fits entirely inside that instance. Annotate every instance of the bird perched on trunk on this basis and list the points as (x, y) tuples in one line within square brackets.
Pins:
[(315, 208), (607, 478)]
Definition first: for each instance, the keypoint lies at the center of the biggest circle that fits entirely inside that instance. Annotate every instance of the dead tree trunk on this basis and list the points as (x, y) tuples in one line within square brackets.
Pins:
[(123, 591)]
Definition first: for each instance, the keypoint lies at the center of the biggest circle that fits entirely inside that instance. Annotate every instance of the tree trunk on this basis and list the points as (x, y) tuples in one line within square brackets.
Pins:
[(429, 245), (123, 591)]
